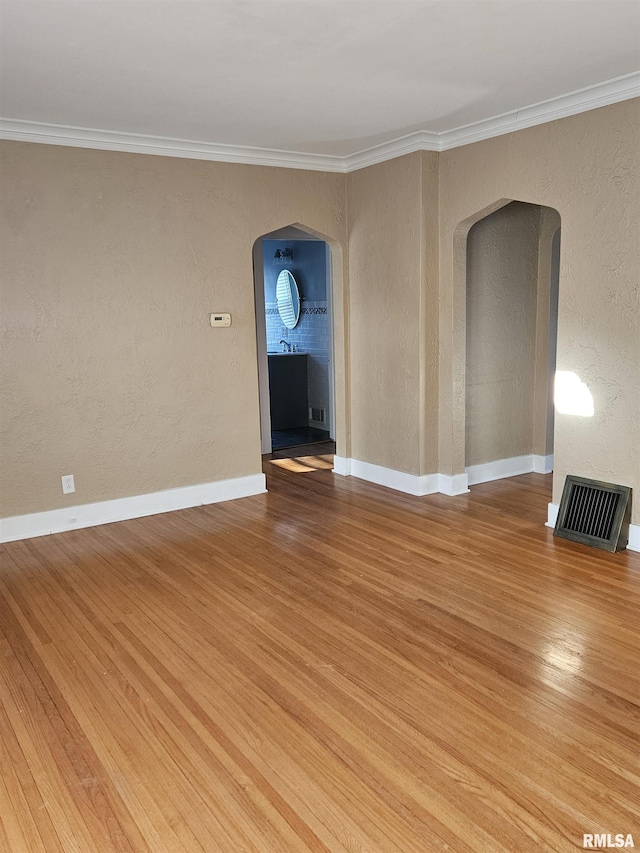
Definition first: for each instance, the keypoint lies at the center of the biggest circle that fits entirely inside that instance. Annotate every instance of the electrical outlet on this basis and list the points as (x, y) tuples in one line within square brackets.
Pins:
[(68, 484)]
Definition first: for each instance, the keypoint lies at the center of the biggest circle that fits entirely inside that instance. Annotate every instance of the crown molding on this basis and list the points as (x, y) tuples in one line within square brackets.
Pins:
[(580, 101), (136, 143), (421, 140), (590, 98)]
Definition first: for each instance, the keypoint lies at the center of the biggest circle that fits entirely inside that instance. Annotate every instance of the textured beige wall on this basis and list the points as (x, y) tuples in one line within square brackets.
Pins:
[(111, 264), (502, 273), (429, 313), (546, 332), (586, 167), (385, 280)]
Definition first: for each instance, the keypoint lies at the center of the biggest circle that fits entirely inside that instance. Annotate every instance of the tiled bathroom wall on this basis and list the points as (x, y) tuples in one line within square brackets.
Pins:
[(311, 335)]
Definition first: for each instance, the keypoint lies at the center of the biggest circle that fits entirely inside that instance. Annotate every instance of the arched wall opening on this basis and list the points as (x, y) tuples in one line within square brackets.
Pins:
[(336, 416), (507, 263)]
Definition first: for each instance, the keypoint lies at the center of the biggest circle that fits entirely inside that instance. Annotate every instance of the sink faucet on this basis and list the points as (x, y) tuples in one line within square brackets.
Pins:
[(286, 346)]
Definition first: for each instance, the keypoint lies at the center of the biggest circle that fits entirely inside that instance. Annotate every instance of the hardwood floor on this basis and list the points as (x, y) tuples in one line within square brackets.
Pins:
[(329, 667)]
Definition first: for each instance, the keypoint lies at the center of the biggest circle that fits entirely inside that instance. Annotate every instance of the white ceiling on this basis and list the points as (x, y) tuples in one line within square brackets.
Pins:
[(320, 77)]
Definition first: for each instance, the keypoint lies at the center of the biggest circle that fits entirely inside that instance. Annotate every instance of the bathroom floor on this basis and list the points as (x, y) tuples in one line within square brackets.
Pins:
[(293, 437)]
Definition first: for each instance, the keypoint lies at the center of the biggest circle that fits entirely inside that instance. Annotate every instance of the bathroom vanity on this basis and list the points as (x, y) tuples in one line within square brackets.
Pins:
[(288, 390)]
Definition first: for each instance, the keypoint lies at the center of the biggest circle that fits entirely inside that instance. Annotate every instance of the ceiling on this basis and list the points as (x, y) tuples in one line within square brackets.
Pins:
[(323, 80)]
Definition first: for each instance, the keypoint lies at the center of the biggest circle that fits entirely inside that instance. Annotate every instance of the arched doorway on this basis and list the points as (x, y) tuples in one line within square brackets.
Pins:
[(315, 263)]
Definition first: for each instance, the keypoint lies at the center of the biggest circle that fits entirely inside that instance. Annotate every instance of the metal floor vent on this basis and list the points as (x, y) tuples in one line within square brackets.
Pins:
[(594, 513), (317, 414)]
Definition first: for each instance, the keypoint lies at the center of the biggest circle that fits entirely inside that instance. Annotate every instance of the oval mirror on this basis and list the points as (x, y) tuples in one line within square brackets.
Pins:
[(288, 299)]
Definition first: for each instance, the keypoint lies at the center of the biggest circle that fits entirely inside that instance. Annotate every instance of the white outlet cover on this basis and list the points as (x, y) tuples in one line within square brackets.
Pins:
[(68, 484)]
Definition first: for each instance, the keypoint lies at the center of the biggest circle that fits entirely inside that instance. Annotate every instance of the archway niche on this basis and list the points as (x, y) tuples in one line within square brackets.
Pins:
[(506, 263)]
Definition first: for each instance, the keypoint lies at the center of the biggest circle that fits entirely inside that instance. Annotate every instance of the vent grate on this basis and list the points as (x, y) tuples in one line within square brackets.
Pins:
[(594, 513), (317, 414)]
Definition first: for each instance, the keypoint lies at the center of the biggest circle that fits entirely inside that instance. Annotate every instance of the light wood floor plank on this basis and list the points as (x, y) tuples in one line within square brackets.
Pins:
[(329, 667)]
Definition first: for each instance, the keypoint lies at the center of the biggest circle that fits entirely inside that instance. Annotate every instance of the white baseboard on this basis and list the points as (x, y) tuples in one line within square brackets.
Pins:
[(341, 465), (458, 484), (137, 506), (411, 484), (552, 514), (634, 529), (447, 485), (542, 464), (501, 468)]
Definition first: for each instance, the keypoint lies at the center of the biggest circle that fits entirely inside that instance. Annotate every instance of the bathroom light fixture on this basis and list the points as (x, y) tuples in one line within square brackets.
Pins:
[(282, 256)]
